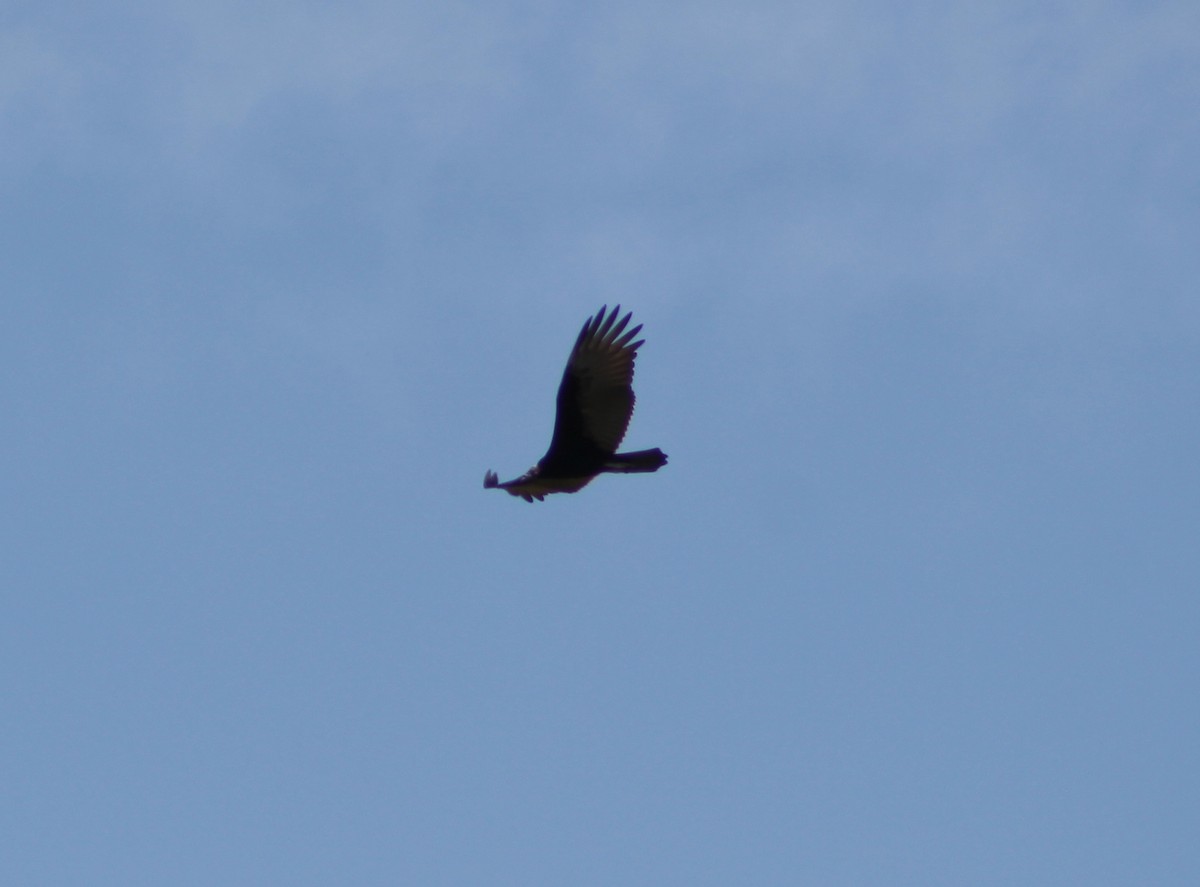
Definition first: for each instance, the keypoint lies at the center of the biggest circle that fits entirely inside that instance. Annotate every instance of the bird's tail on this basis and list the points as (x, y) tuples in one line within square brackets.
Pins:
[(635, 463)]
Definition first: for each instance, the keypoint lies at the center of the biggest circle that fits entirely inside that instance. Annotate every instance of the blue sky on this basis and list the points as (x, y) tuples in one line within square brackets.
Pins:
[(914, 601)]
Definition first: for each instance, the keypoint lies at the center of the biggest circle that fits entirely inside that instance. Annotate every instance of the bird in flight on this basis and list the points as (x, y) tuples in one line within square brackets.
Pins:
[(595, 402)]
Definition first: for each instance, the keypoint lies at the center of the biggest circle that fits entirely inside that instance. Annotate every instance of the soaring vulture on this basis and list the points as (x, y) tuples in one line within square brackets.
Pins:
[(595, 401)]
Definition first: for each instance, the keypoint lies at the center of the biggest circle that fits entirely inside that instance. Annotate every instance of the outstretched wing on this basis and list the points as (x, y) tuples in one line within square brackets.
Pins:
[(595, 398)]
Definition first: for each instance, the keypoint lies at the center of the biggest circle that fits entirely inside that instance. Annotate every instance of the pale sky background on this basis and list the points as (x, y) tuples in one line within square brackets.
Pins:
[(915, 601)]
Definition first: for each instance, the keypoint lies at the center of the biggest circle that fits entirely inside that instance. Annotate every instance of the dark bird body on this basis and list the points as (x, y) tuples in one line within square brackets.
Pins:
[(595, 403)]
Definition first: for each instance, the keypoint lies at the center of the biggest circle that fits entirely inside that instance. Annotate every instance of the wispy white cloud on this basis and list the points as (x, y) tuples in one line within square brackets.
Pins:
[(439, 62), (930, 145), (828, 153), (176, 81)]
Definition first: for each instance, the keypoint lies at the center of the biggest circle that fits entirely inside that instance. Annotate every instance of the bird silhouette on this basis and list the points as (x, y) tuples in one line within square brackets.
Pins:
[(595, 403)]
